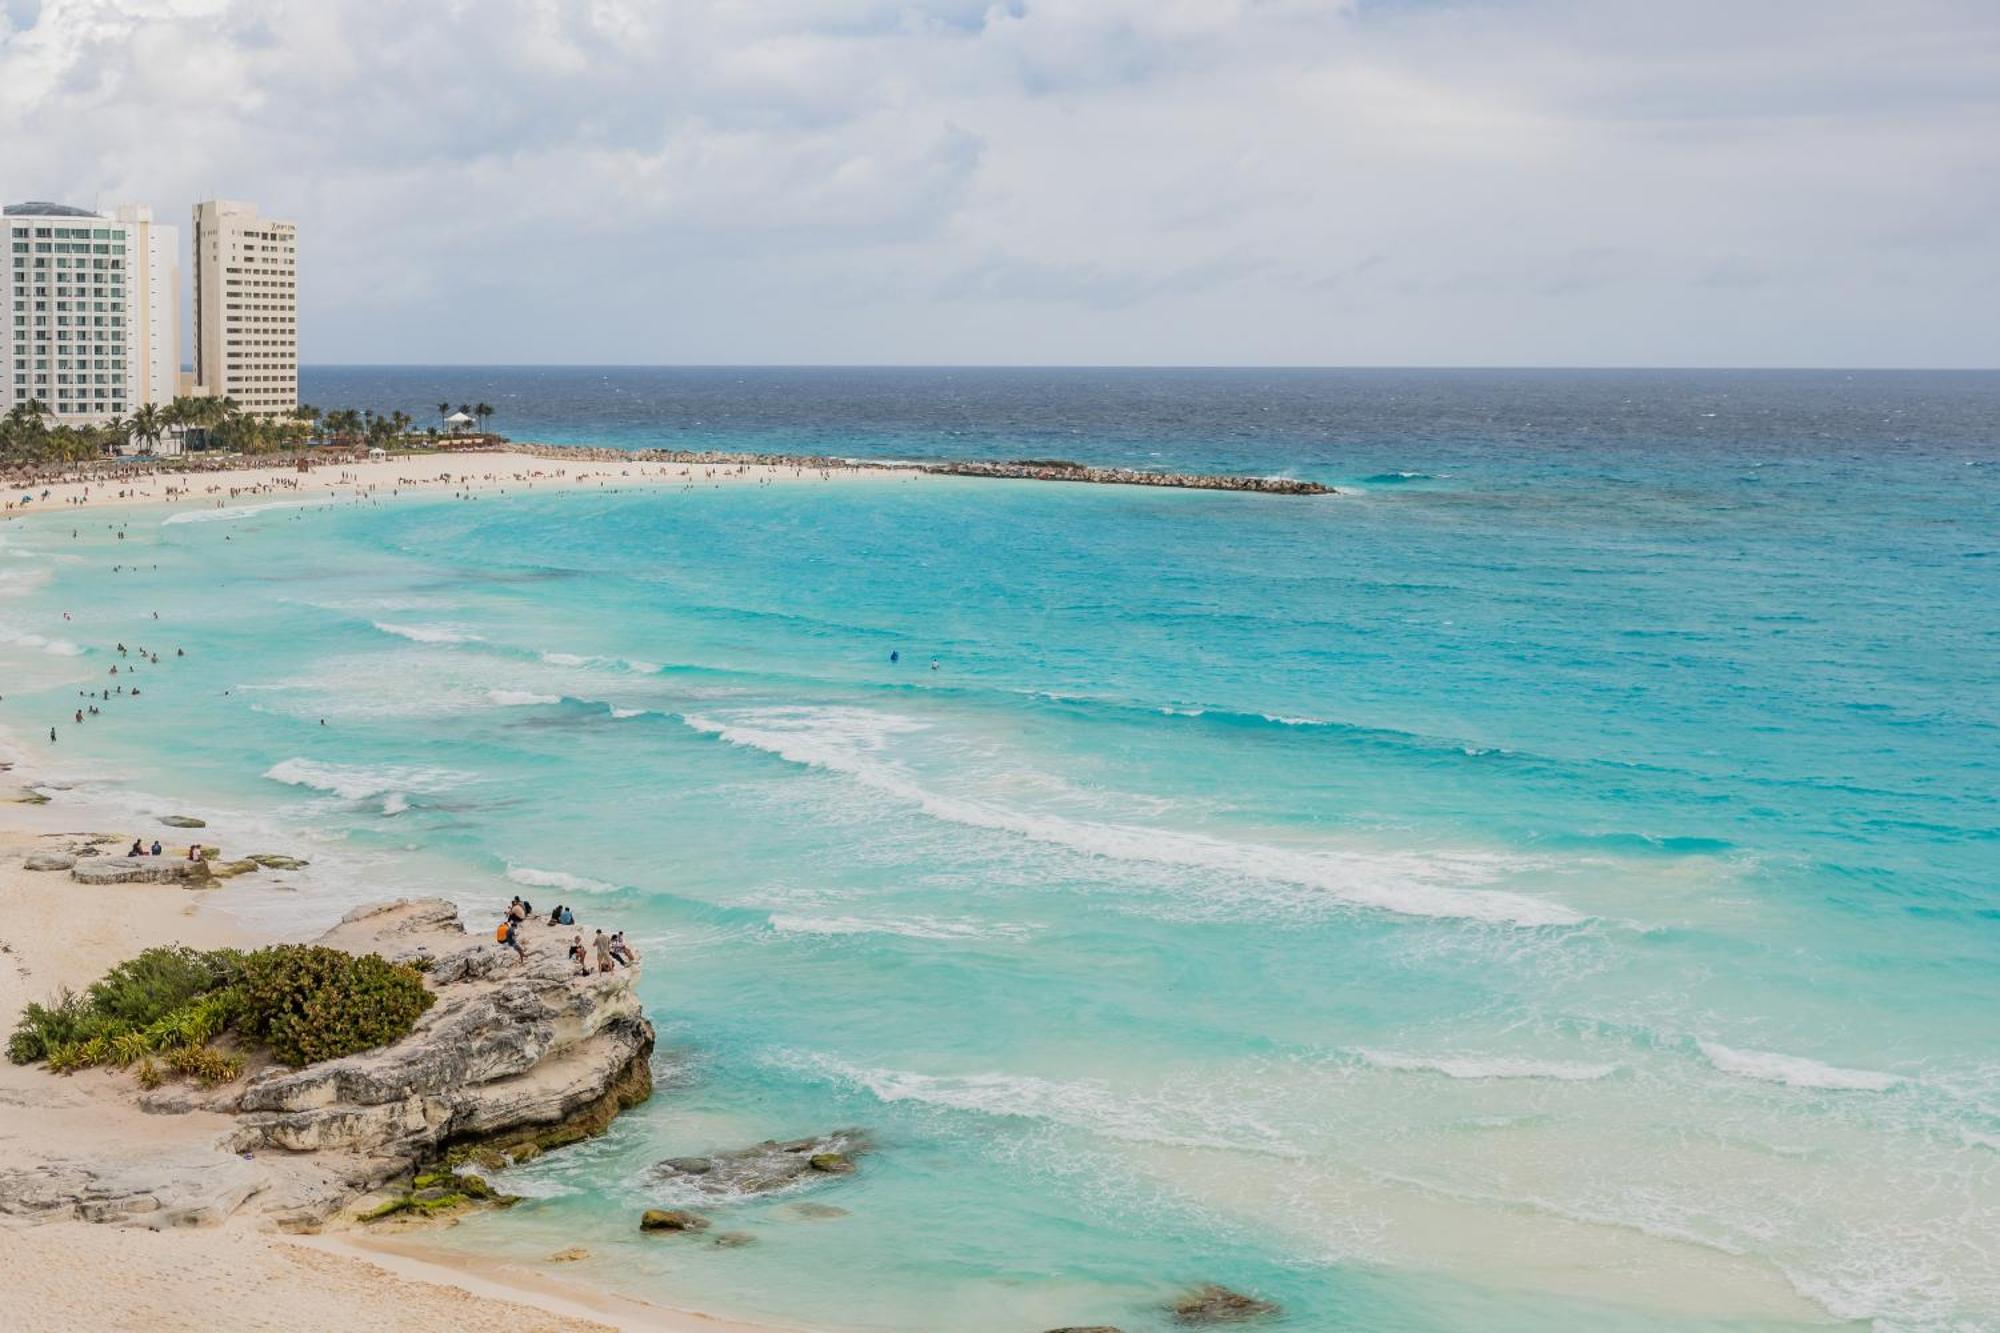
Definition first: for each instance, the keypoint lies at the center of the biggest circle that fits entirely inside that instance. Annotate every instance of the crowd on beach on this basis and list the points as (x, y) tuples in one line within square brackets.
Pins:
[(609, 951)]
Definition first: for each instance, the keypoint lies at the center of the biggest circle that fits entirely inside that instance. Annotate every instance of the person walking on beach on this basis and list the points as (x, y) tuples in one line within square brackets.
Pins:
[(510, 935)]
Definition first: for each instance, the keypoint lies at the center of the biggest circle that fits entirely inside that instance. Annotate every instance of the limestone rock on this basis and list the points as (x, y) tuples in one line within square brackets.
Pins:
[(769, 1166), (139, 870), (1212, 1303), (733, 1240), (672, 1219), (231, 869), (273, 861), (48, 861), (183, 821), (570, 1255), (531, 1056), (190, 1188)]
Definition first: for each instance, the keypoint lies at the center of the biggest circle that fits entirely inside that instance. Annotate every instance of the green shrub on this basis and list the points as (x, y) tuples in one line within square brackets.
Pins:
[(43, 1029), (306, 1002), (311, 1003), (145, 989)]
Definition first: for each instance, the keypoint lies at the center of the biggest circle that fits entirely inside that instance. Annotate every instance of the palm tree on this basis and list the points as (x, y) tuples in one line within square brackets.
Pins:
[(148, 424), (114, 435), (483, 411), (444, 411)]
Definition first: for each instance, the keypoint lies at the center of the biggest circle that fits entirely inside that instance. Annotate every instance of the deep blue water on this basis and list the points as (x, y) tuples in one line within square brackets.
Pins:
[(1551, 885)]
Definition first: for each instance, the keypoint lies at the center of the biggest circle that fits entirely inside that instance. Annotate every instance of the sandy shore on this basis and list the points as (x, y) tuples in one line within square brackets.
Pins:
[(471, 473), (56, 933)]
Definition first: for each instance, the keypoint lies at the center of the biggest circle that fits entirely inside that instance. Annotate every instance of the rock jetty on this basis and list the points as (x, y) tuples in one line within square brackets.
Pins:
[(1057, 469), (1025, 469)]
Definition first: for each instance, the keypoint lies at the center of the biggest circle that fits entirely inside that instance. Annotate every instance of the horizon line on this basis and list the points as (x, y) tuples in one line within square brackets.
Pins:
[(1134, 365)]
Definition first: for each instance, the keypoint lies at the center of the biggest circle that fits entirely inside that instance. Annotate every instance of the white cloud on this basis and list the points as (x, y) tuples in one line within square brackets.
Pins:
[(1321, 181)]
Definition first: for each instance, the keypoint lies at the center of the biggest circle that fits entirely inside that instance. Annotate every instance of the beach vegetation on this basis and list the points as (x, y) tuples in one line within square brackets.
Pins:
[(160, 1011), (310, 1003)]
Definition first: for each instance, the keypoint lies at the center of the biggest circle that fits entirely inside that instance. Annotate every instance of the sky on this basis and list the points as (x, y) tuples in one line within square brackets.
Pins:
[(1107, 182)]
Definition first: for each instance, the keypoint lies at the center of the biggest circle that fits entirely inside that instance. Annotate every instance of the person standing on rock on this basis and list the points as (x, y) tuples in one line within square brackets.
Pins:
[(512, 939), (602, 945)]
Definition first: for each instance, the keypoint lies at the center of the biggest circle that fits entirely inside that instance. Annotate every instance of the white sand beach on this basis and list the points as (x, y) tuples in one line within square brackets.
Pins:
[(243, 484)]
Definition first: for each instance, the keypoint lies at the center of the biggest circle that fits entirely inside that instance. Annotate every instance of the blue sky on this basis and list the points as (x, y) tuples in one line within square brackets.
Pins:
[(1493, 182)]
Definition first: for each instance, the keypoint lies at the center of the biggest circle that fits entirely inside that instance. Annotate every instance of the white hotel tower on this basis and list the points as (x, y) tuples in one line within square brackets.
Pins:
[(93, 325), (246, 307)]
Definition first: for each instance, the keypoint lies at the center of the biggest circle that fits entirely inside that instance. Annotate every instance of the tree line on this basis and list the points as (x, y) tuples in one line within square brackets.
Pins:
[(29, 435)]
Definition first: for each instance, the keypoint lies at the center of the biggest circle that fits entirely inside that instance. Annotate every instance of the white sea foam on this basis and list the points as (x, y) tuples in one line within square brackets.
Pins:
[(429, 633), (637, 668), (623, 713), (912, 927), (1483, 1067), (849, 741), (1794, 1071), (1182, 1120), (530, 877), (358, 782), (54, 647), (521, 698), (230, 515)]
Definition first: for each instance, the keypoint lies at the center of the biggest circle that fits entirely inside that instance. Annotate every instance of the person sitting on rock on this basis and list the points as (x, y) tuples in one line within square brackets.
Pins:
[(138, 848), (579, 955), (555, 916), (568, 917), (156, 846), (622, 951)]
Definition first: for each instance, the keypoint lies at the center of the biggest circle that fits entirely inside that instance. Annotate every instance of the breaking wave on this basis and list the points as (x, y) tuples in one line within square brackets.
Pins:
[(844, 741)]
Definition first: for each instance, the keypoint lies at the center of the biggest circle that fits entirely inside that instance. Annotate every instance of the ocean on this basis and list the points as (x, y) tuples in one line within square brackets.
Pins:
[(1554, 883)]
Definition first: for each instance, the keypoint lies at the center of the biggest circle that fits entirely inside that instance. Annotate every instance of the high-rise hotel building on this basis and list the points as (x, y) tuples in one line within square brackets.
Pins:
[(93, 326), (246, 307)]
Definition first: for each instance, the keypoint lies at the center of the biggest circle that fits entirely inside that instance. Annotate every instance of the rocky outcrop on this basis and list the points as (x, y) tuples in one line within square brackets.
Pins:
[(515, 1053), (140, 870), (1215, 1304), (183, 821), (273, 861), (764, 1168), (516, 1056), (48, 861)]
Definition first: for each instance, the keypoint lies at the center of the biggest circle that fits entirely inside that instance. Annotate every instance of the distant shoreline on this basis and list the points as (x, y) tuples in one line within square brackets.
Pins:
[(69, 483)]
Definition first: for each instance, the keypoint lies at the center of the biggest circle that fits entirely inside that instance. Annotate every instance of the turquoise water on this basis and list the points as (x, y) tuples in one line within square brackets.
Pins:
[(1553, 889)]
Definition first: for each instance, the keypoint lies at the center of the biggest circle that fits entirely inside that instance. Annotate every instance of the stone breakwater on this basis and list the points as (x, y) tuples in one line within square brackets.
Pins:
[(1030, 470), (513, 1059), (1017, 470)]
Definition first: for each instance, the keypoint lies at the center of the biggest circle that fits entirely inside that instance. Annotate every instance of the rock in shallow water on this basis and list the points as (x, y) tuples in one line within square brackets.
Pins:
[(1212, 1303), (672, 1219), (768, 1166), (273, 861), (183, 821)]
